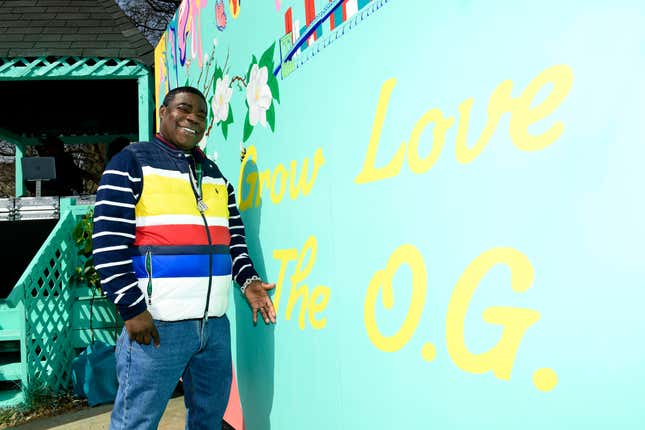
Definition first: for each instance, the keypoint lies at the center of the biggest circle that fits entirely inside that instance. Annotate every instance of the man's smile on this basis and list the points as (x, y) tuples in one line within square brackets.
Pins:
[(188, 130)]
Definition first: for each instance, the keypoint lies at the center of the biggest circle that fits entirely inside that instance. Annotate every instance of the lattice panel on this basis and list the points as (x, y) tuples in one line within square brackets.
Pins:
[(69, 67), (48, 306), (57, 313), (95, 320)]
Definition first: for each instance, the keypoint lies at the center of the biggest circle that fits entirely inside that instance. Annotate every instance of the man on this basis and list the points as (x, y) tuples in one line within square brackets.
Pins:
[(168, 240)]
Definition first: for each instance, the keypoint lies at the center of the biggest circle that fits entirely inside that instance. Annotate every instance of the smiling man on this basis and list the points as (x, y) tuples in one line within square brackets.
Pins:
[(168, 242)]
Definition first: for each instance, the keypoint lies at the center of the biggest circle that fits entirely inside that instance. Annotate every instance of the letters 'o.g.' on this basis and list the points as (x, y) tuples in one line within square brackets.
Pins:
[(516, 321)]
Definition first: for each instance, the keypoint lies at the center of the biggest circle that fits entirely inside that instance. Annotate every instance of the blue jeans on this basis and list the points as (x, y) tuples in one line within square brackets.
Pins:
[(148, 375)]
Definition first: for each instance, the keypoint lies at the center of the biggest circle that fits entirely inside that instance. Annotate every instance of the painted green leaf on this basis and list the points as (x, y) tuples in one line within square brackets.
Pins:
[(229, 118), (219, 73), (271, 117), (267, 58), (187, 83), (227, 122), (225, 130), (210, 110), (248, 129), (273, 86)]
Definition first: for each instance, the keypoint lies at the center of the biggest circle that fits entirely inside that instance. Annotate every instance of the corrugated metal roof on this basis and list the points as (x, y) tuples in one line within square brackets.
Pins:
[(87, 28)]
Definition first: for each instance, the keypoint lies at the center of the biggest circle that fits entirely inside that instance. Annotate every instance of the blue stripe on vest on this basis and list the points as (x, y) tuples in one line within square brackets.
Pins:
[(182, 266)]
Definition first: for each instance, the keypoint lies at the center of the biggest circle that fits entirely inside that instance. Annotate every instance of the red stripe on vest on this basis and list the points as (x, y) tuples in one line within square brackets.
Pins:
[(177, 234)]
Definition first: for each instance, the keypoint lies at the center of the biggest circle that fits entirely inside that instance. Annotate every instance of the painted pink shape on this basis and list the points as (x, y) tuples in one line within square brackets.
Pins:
[(196, 13), (220, 15), (277, 5), (183, 29), (234, 414), (189, 22)]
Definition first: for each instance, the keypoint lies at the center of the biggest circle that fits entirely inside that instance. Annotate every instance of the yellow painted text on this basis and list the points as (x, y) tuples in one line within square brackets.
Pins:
[(522, 115), (311, 303), (274, 182)]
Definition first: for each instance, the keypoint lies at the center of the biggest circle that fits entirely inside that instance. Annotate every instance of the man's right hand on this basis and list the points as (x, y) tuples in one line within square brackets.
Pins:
[(142, 329)]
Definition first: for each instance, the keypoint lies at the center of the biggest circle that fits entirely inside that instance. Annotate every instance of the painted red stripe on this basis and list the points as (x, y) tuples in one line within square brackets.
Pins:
[(173, 234), (310, 13), (344, 10), (332, 21), (288, 21)]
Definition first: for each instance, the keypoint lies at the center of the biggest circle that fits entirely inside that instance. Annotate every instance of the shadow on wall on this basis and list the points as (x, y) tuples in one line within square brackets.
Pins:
[(255, 345)]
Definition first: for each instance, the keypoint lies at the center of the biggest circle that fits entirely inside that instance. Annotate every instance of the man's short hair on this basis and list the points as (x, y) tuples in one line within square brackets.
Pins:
[(172, 93)]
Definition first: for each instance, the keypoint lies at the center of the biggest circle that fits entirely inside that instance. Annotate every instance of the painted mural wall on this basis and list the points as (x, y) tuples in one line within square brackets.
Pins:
[(449, 197)]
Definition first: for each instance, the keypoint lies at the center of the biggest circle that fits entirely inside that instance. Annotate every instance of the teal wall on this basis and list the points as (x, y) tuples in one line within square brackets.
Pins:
[(467, 250)]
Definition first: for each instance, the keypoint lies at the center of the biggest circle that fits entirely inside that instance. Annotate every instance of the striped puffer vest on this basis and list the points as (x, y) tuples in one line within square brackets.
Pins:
[(180, 253)]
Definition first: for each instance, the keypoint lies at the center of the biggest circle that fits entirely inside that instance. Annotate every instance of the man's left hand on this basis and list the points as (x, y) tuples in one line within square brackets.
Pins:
[(256, 295)]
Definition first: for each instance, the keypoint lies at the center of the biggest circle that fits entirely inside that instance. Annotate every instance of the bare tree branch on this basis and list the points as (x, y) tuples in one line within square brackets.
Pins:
[(164, 7), (147, 27), (150, 16)]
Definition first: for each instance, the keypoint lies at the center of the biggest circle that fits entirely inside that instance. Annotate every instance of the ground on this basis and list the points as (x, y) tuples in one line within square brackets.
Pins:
[(70, 413), (46, 406)]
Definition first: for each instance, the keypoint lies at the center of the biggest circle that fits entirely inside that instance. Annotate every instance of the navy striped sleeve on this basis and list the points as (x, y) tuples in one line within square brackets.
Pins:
[(242, 265), (114, 233)]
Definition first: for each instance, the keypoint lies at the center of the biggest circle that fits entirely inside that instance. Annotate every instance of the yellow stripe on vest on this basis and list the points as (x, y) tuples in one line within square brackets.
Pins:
[(172, 196)]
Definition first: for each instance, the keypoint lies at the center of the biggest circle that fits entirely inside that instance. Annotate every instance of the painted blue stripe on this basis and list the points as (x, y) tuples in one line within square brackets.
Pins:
[(182, 266)]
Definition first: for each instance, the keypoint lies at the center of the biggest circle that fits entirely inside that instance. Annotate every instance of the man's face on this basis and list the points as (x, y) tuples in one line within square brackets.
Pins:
[(183, 121)]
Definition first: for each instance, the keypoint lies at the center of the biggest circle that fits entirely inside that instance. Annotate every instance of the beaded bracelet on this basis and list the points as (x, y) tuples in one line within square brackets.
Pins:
[(248, 282)]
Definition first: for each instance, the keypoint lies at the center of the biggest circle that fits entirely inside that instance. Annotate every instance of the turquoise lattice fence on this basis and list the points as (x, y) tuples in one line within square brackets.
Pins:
[(59, 318), (48, 303)]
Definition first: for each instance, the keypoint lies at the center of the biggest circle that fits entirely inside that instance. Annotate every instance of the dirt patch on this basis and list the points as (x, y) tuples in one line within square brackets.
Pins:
[(46, 406)]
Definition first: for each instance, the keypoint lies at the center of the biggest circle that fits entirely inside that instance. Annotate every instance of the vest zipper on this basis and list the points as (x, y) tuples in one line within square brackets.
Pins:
[(201, 206), (149, 272), (210, 267)]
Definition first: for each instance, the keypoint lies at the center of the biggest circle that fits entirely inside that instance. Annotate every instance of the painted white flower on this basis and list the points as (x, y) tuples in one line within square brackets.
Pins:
[(223, 92), (258, 95)]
